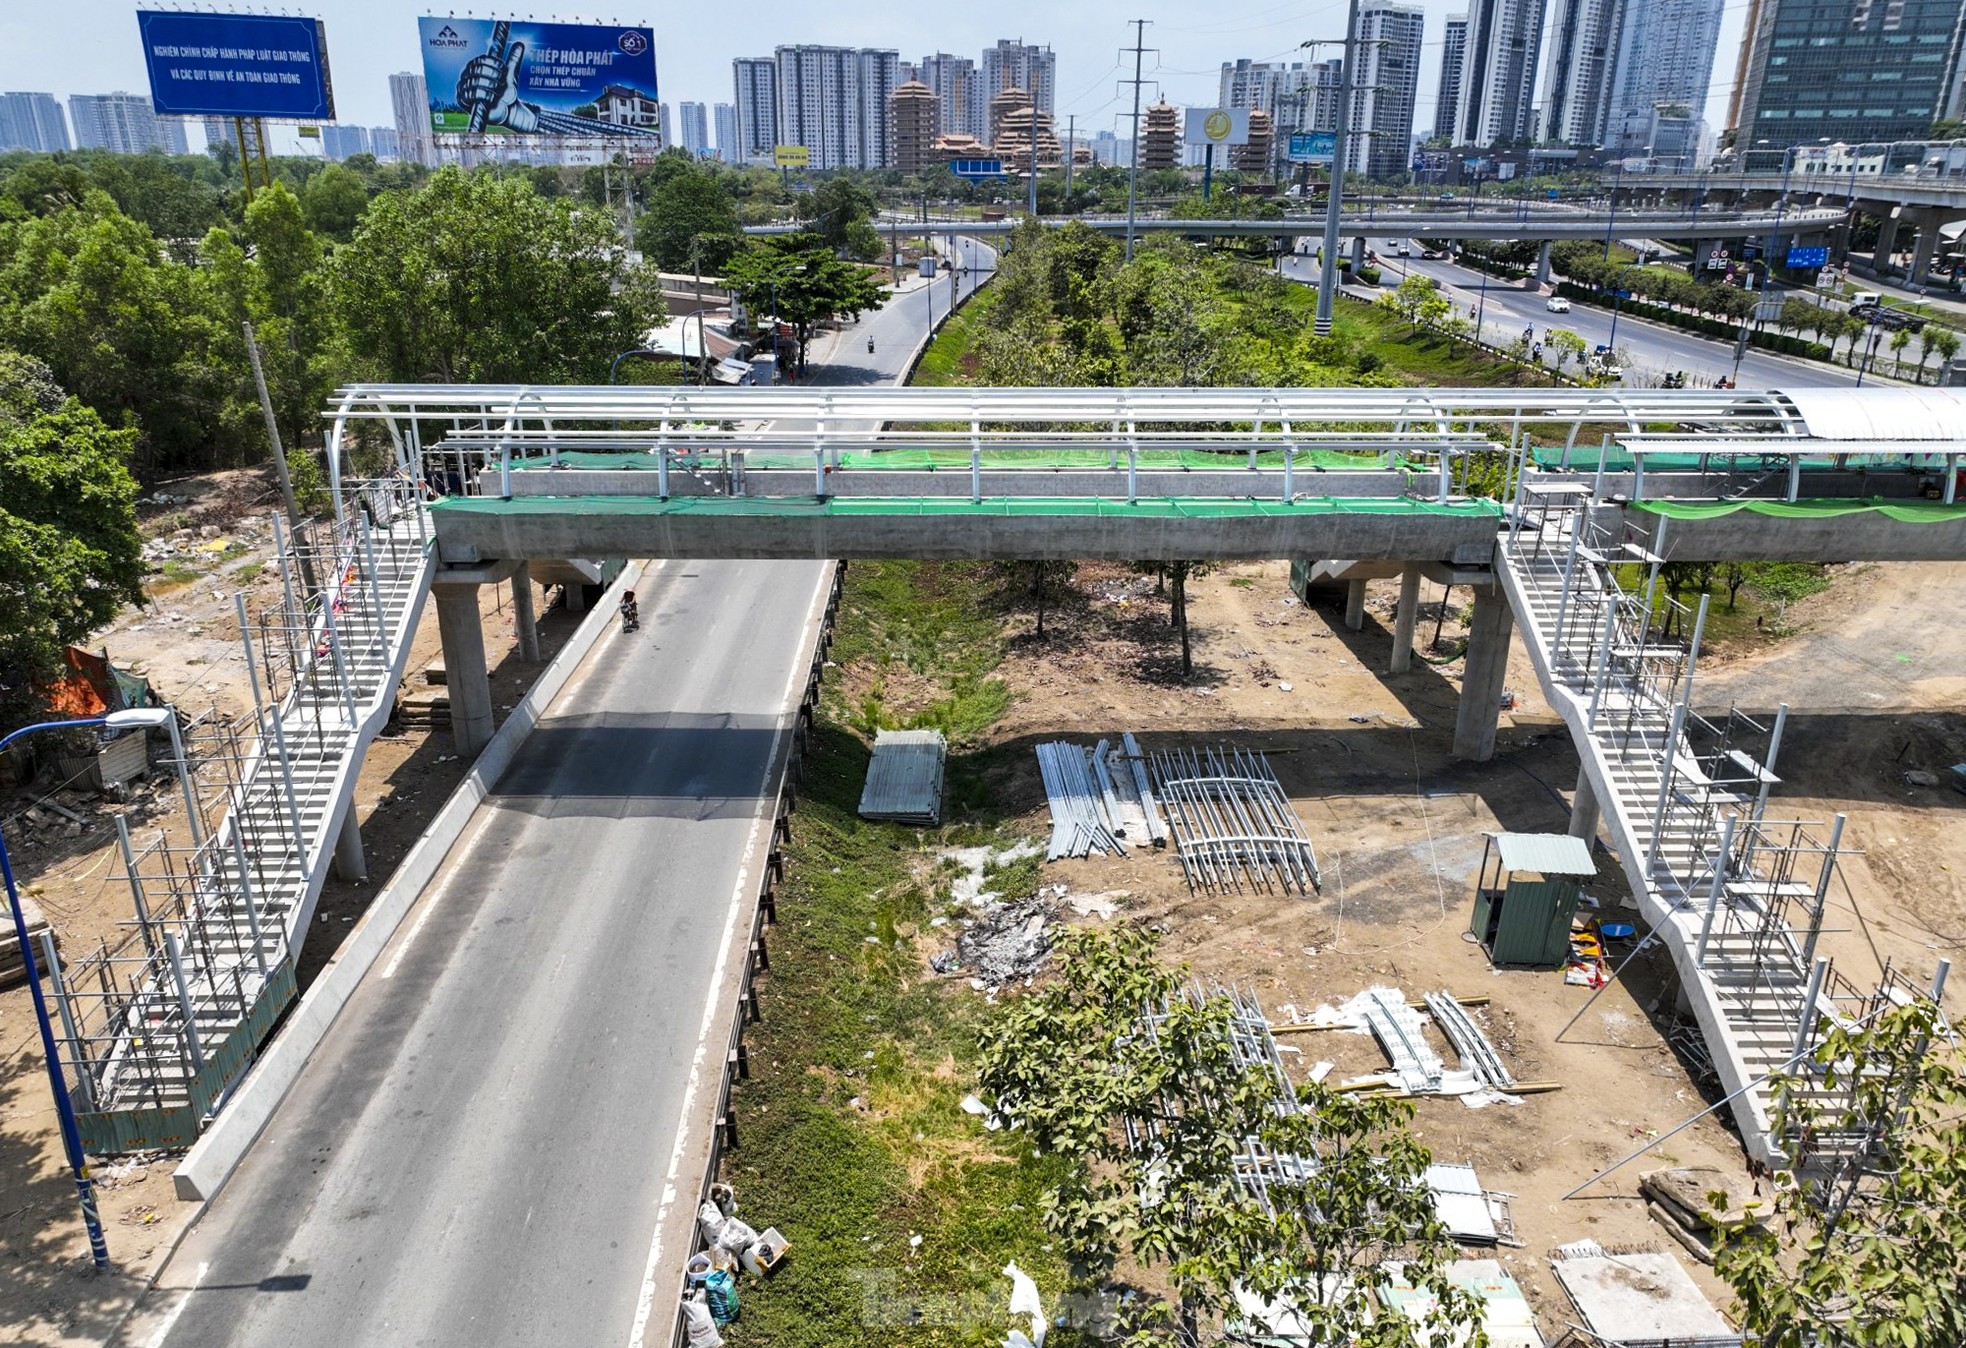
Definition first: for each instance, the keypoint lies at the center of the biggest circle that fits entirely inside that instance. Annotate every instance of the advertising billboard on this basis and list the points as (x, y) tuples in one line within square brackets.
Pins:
[(790, 156), (1312, 147), (1218, 126), (519, 78), (236, 65)]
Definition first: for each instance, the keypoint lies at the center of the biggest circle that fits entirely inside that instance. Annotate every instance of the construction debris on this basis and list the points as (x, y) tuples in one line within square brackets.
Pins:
[(12, 965), (1007, 941), (1232, 822), (1505, 1312), (904, 777), (1638, 1296), (1681, 1200), (1477, 1053), (1472, 1215), (1100, 799)]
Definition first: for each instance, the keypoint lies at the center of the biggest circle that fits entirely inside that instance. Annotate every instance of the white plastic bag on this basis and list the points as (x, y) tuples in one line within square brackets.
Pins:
[(699, 1329)]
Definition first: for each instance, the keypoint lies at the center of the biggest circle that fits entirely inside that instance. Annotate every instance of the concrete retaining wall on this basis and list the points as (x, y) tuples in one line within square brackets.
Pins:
[(211, 1161)]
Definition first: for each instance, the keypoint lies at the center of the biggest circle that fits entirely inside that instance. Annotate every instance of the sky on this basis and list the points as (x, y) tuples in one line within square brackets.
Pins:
[(90, 46)]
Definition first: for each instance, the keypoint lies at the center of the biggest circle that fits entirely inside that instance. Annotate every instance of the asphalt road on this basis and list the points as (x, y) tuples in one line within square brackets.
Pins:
[(1654, 348), (480, 1153)]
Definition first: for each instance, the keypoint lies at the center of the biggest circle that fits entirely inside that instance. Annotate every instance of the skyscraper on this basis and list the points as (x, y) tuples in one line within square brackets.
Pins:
[(756, 80), (340, 142), (1297, 97), (1387, 87), (725, 117), (384, 142), (1453, 50), (1013, 65), (834, 101), (1665, 54), (696, 128), (409, 101), (1498, 74), (663, 124), (32, 122), (959, 88), (1577, 80), (123, 123), (1852, 70)]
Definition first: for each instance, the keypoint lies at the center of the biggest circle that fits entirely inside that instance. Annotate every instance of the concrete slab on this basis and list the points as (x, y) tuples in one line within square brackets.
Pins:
[(1639, 1296)]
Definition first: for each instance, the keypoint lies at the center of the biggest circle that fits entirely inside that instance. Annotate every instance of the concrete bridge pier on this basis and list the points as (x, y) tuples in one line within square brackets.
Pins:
[(1926, 248), (1543, 264), (522, 614), (1358, 254), (462, 631), (1355, 605), (1887, 241), (349, 861), (1484, 668), (1404, 618)]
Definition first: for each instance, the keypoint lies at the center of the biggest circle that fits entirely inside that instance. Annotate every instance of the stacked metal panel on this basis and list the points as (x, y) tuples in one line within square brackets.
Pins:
[(904, 778), (1100, 799), (1233, 823)]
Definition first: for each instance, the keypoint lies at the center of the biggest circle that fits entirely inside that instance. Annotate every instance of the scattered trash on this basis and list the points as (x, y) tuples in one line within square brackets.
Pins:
[(1007, 941), (699, 1325), (1101, 906), (1472, 1215), (1918, 777), (1024, 1301), (1505, 1312), (1284, 687), (967, 888)]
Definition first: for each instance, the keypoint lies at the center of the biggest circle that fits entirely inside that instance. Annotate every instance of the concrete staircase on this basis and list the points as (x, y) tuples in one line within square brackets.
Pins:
[(160, 1027), (1744, 976)]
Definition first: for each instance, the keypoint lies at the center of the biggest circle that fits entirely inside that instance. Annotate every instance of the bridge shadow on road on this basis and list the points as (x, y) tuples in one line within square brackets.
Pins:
[(669, 765)]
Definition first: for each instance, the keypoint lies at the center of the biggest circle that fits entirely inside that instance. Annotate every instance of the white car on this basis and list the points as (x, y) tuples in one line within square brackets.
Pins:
[(1558, 305)]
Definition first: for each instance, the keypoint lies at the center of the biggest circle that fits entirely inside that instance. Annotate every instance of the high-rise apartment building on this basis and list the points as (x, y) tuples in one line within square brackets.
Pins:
[(915, 118), (1453, 51), (1013, 65), (32, 122), (1583, 36), (834, 101), (1665, 55), (342, 142), (696, 128), (384, 143), (958, 88), (1499, 70), (665, 125), (123, 123), (725, 117), (1387, 88), (1850, 70), (756, 79), (1298, 97), (409, 104)]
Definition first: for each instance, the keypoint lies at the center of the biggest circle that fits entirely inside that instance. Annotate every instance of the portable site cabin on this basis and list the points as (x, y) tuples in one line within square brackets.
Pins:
[(1526, 896)]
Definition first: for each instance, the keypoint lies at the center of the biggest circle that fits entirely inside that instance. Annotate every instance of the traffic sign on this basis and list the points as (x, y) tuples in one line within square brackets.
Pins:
[(1803, 258)]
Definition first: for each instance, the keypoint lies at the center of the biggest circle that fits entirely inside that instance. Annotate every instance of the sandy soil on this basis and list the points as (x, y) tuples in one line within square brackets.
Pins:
[(186, 641), (1398, 824)]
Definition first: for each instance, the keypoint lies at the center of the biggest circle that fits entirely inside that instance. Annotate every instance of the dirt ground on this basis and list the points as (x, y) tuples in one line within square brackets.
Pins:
[(186, 642), (1398, 824)]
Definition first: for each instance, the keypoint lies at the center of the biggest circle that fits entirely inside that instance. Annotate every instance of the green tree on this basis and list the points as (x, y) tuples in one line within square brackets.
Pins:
[(1942, 340), (333, 202), (1868, 1245), (1566, 346), (832, 209), (1067, 1065), (803, 284), (474, 278), (70, 556), (691, 221)]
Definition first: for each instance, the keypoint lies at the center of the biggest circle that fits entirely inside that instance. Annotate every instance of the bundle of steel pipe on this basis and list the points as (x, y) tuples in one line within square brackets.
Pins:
[(1233, 823), (1100, 800)]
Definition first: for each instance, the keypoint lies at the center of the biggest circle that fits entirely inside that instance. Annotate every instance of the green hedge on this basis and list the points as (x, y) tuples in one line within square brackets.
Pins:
[(1724, 329)]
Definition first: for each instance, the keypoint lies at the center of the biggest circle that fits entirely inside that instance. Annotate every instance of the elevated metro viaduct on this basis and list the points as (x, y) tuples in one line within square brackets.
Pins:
[(1359, 481)]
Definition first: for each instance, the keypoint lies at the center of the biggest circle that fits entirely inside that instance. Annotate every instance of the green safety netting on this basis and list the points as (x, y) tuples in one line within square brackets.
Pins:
[(931, 459), (865, 506), (1905, 512)]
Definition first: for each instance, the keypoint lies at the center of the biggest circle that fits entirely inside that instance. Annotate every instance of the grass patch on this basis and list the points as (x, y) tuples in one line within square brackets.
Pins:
[(1423, 357), (851, 1134), (927, 635), (947, 360)]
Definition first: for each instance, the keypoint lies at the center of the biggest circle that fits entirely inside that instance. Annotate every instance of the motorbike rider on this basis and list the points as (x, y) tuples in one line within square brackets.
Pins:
[(631, 617)]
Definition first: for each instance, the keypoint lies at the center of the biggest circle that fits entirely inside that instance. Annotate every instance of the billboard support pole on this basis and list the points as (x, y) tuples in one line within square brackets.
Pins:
[(1207, 172), (245, 163)]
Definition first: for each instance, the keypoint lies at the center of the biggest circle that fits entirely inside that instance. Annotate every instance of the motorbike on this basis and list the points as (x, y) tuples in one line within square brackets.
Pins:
[(870, 346), (631, 615)]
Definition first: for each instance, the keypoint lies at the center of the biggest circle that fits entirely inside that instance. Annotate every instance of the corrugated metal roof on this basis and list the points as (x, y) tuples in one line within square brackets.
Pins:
[(904, 777), (1545, 853), (1889, 414)]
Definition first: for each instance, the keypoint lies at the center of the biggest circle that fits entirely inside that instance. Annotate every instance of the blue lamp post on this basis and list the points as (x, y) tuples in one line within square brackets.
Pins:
[(71, 1133)]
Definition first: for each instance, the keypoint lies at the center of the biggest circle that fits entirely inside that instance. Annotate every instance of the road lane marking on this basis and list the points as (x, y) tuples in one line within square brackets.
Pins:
[(645, 1301), (169, 1322)]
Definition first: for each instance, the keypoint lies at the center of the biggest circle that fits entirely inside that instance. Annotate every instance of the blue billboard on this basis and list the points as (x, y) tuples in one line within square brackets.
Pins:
[(1801, 259), (977, 170), (506, 77), (236, 65), (1312, 147)]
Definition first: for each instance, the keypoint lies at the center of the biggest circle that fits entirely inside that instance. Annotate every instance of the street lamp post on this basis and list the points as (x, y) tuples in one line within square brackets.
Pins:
[(71, 1134)]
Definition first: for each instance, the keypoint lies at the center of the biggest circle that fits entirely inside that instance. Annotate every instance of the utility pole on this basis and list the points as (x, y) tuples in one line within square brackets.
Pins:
[(1071, 139), (1031, 199), (1133, 173), (1341, 145)]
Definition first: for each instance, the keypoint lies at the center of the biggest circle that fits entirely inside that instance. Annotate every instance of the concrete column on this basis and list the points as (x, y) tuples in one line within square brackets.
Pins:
[(1358, 253), (464, 666), (1887, 242), (1543, 264), (1486, 665), (1404, 618), (522, 614), (575, 597), (1583, 808), (349, 861), (1355, 604), (1923, 251)]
